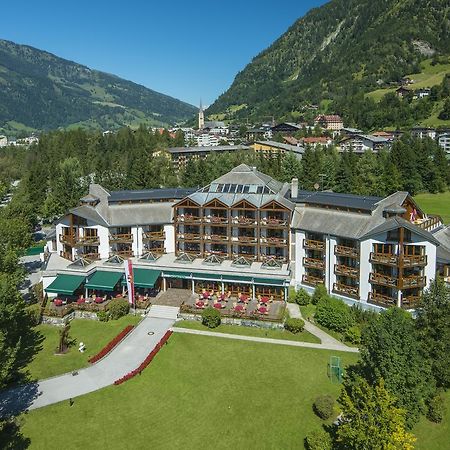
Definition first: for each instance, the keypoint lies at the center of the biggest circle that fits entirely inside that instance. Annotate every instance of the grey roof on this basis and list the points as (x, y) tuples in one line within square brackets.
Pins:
[(217, 148), (396, 222), (89, 213), (89, 198), (334, 199), (395, 209), (286, 147), (149, 194), (443, 251), (140, 214)]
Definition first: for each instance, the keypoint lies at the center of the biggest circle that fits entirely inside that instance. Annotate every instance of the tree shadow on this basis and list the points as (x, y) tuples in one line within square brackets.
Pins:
[(11, 436)]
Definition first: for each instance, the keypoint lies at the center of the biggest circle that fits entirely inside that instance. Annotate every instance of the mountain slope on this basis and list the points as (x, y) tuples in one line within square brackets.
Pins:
[(340, 49), (41, 91)]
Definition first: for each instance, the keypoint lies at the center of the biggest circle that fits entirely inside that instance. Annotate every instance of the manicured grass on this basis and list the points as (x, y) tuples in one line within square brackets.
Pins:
[(304, 336), (435, 204), (95, 335), (434, 436), (200, 392)]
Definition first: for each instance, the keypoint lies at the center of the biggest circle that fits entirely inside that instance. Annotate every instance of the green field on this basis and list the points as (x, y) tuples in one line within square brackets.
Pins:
[(304, 336), (438, 204), (199, 393), (95, 335)]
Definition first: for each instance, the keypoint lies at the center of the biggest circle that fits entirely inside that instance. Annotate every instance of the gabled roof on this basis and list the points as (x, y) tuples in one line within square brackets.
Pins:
[(398, 222), (89, 213)]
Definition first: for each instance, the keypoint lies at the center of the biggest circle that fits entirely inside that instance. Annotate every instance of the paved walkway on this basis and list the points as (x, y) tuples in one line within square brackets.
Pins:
[(124, 358), (294, 312), (327, 346)]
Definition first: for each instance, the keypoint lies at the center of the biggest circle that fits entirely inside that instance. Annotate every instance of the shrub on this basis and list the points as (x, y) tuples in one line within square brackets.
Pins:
[(211, 317), (436, 409), (111, 344), (34, 314), (323, 406), (103, 316), (334, 314), (302, 298), (118, 307), (294, 325), (318, 440), (319, 292), (353, 335), (292, 295)]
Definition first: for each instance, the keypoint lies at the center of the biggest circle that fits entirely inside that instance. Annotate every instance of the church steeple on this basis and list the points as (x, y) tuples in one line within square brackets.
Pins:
[(201, 117)]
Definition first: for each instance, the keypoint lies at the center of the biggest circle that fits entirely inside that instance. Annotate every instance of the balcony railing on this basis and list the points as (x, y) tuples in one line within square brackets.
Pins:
[(69, 239), (410, 301), (188, 218), (273, 223), (311, 244), (430, 224), (384, 280), (346, 271), (88, 240), (122, 253), (245, 239), (244, 221), (216, 220), (413, 281), (387, 259), (382, 300), (314, 263), (312, 281), (275, 241), (414, 260), (344, 289), (217, 237), (342, 250), (189, 237), (90, 256), (153, 236), (120, 237)]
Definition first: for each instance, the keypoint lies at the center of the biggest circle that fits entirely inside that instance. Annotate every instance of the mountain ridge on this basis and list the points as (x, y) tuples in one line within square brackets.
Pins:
[(42, 91)]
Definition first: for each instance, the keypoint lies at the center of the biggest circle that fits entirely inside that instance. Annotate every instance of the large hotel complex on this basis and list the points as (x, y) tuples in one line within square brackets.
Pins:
[(248, 233)]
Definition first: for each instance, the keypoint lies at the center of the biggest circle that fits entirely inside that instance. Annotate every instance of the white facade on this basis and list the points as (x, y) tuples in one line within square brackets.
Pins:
[(444, 142)]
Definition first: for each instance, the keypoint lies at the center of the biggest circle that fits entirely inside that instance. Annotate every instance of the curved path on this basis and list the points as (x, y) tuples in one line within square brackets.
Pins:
[(124, 358)]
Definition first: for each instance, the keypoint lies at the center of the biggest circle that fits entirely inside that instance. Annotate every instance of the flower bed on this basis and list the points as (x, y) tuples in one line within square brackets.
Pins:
[(110, 345), (146, 361)]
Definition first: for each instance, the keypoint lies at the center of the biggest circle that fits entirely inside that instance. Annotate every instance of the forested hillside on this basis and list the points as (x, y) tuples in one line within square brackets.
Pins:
[(336, 54), (40, 91)]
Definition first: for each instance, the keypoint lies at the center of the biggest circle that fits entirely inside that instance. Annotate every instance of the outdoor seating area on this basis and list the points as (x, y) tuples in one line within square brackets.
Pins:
[(240, 305)]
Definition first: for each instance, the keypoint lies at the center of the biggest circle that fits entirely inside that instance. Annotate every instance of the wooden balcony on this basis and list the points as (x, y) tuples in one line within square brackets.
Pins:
[(68, 239), (344, 289), (153, 236), (188, 218), (346, 271), (88, 240), (66, 255), (244, 221), (383, 280), (386, 259), (381, 300), (273, 223), (313, 263), (415, 260), (414, 281), (312, 281), (430, 224), (342, 250), (189, 237), (274, 241), (410, 301), (311, 244), (90, 256), (122, 253), (120, 238), (216, 220), (245, 240), (217, 237)]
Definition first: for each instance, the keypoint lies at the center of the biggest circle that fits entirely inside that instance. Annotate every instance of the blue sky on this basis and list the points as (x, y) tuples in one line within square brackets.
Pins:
[(186, 49)]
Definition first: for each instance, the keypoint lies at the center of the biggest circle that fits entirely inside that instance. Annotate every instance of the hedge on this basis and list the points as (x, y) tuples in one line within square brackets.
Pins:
[(111, 344), (334, 314)]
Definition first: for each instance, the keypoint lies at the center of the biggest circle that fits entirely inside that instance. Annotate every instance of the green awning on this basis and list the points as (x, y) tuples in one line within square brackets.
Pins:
[(237, 279), (145, 278), (207, 276), (103, 280), (269, 281), (172, 274), (65, 284)]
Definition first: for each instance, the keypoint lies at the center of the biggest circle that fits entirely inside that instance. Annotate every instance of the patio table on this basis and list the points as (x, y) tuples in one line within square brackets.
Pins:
[(98, 300), (262, 310), (58, 302), (81, 301), (200, 304), (264, 300), (238, 308), (205, 294), (218, 305)]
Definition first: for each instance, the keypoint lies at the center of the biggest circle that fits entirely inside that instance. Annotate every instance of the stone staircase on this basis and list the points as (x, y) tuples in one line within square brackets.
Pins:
[(164, 312)]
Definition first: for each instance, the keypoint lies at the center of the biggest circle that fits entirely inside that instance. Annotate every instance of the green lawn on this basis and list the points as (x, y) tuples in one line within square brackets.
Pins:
[(200, 392), (435, 204), (95, 336), (434, 436), (304, 336)]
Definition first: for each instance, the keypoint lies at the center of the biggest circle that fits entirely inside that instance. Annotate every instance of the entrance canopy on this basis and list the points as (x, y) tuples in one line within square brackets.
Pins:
[(66, 284), (226, 278), (145, 278), (104, 281)]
